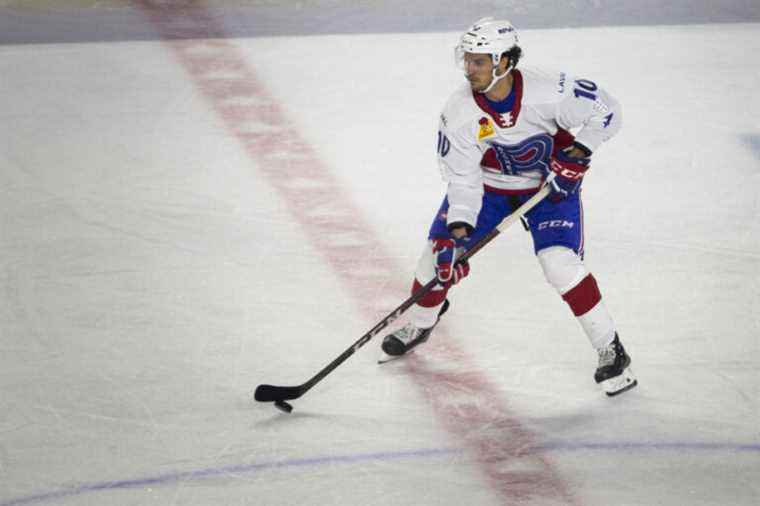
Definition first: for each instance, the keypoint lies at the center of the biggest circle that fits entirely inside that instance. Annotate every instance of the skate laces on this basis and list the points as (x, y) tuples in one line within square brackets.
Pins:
[(408, 333), (607, 355)]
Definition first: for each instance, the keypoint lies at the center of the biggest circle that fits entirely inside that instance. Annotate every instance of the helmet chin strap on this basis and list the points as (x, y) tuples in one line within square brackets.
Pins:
[(495, 78)]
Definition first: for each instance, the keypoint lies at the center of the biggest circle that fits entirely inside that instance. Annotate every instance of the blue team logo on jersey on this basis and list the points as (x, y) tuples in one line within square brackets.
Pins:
[(531, 154)]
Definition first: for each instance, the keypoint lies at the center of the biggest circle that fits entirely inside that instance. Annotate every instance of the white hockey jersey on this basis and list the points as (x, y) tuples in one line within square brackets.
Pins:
[(480, 149)]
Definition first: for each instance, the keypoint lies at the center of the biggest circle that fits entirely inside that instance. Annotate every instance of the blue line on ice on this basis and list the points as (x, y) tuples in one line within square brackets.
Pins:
[(200, 474), (725, 447)]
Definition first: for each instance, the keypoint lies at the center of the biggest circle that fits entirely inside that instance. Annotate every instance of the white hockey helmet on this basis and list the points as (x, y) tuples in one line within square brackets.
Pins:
[(490, 36)]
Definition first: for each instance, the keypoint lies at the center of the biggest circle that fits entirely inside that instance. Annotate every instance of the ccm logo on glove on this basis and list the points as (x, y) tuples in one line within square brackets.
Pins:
[(565, 174), (568, 169)]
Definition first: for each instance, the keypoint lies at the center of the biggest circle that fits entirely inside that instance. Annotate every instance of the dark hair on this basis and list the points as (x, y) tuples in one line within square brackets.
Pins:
[(514, 55)]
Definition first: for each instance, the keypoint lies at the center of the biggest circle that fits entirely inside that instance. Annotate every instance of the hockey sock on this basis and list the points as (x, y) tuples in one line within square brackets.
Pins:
[(424, 314), (585, 301), (566, 272)]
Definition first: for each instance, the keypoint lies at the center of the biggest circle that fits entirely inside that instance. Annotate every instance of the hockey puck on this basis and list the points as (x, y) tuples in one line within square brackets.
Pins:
[(283, 406)]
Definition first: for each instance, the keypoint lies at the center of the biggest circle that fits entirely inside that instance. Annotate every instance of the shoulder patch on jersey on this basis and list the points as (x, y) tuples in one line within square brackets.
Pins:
[(486, 128)]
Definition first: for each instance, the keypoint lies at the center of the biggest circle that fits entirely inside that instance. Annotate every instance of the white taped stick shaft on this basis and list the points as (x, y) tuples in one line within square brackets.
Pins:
[(523, 209)]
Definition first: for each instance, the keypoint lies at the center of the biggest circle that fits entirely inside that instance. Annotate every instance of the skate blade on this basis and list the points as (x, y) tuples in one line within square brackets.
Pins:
[(385, 358), (619, 384)]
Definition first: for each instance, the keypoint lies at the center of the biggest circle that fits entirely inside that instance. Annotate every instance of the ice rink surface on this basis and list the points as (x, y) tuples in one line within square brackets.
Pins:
[(183, 220)]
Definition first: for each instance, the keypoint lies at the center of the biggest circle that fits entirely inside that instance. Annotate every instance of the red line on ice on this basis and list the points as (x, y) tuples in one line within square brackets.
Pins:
[(469, 405)]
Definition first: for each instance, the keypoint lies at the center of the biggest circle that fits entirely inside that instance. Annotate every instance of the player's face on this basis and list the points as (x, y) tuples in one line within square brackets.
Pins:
[(477, 69)]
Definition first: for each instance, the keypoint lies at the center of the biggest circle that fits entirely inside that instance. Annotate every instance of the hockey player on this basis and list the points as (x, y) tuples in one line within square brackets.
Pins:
[(501, 137)]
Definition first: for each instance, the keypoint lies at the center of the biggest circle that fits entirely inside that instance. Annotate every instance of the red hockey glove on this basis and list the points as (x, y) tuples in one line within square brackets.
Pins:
[(448, 272), (568, 172)]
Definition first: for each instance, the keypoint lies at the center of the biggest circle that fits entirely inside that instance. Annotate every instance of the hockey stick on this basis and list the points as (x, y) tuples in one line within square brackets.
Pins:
[(280, 394)]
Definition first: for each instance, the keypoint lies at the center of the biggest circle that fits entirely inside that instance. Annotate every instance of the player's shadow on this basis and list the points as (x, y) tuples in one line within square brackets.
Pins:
[(469, 402)]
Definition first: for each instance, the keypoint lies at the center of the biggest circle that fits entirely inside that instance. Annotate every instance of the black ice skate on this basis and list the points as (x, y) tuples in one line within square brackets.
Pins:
[(613, 373), (398, 343)]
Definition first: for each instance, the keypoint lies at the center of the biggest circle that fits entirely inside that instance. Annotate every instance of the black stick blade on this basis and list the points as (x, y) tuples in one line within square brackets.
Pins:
[(269, 393)]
